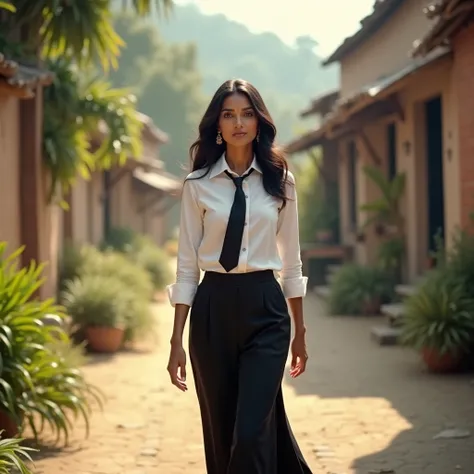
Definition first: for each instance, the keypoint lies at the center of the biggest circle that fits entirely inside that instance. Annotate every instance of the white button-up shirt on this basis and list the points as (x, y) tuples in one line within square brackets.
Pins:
[(270, 240)]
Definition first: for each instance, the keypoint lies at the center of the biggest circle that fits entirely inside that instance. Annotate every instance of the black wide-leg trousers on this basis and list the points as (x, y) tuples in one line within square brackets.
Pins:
[(239, 339)]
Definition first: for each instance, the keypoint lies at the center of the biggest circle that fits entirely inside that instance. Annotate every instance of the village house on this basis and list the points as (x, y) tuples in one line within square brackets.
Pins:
[(135, 196), (454, 28), (25, 216), (398, 113)]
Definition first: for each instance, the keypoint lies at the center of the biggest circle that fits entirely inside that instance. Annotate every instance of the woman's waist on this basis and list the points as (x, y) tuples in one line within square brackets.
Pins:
[(237, 277)]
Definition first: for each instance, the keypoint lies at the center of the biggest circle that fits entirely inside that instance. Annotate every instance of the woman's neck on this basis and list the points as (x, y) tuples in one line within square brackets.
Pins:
[(239, 159)]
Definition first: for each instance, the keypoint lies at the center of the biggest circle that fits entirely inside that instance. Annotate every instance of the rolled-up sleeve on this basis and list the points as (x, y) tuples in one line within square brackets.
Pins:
[(293, 282), (190, 236)]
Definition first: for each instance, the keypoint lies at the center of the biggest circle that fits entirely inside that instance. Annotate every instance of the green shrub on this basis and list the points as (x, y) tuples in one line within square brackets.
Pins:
[(354, 287), (70, 264), (14, 456), (458, 263), (119, 239), (156, 262), (38, 385), (439, 315), (95, 300), (113, 265)]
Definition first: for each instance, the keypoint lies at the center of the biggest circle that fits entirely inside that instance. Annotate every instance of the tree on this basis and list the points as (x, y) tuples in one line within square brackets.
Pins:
[(72, 35), (167, 84), (80, 30)]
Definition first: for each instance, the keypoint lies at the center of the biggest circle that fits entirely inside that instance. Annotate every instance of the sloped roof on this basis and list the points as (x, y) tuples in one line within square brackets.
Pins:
[(382, 11), (360, 100), (321, 104), (151, 129), (451, 15), (21, 79), (160, 180)]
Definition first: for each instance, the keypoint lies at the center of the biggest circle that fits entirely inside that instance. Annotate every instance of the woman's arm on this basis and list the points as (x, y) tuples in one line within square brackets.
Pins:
[(293, 282), (181, 293)]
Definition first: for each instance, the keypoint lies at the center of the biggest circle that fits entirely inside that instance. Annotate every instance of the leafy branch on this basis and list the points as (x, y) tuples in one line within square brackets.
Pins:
[(76, 112)]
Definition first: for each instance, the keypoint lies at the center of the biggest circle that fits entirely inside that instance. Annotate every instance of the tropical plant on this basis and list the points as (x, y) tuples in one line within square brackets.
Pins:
[(390, 254), (439, 316), (80, 34), (14, 456), (385, 210), (82, 31), (7, 6), (359, 289), (81, 111), (37, 385), (459, 260)]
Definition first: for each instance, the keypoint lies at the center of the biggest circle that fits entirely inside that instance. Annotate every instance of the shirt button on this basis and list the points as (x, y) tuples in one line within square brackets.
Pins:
[(245, 223), (244, 250), (246, 196)]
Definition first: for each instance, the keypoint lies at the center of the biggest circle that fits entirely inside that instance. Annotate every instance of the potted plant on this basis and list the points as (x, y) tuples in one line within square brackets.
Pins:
[(439, 322), (99, 305), (384, 212), (133, 277), (358, 289)]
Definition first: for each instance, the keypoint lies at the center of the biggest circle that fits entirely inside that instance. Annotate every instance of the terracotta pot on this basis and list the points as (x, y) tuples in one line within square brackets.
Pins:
[(104, 339), (8, 425), (371, 307), (435, 362)]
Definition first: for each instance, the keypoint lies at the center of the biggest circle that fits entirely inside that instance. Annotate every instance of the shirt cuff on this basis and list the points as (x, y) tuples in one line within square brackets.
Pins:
[(181, 293), (295, 288)]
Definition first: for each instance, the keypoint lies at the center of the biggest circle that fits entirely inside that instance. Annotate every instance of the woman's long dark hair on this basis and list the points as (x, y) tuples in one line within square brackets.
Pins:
[(205, 152)]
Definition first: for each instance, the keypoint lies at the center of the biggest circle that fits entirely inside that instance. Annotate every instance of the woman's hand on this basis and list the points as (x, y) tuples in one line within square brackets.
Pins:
[(299, 355), (177, 366)]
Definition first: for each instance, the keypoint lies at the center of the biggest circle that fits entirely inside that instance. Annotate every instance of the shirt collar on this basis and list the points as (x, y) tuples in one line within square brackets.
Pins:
[(221, 166)]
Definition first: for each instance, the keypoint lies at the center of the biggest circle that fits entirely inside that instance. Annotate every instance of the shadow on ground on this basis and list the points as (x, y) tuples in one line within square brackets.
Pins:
[(346, 364)]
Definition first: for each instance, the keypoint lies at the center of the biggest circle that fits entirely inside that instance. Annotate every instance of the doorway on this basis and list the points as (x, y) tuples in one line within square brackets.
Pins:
[(434, 170), (392, 150)]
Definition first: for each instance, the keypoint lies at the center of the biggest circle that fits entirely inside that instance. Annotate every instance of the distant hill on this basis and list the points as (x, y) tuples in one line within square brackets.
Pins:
[(287, 77)]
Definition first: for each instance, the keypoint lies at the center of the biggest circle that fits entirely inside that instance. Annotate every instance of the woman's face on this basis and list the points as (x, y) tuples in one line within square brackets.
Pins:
[(238, 122)]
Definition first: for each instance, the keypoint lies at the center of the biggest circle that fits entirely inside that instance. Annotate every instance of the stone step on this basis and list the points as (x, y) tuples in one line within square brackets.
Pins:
[(405, 291), (322, 291), (385, 335), (394, 311)]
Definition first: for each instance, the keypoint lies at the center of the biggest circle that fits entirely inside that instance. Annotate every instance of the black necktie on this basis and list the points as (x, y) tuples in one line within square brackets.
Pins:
[(229, 258)]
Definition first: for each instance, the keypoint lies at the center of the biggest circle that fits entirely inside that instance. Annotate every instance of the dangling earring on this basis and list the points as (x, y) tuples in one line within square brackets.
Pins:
[(219, 138), (258, 136)]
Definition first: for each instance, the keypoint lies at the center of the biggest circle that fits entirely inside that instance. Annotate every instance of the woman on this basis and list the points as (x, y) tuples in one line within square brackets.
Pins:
[(239, 225)]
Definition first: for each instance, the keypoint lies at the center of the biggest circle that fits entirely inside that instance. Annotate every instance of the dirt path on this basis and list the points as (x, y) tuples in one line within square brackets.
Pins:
[(360, 408)]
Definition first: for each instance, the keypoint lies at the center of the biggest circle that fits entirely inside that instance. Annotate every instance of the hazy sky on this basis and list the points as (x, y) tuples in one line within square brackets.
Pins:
[(327, 21)]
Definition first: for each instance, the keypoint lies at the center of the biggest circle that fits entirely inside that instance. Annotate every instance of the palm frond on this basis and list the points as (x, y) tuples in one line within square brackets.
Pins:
[(8, 6)]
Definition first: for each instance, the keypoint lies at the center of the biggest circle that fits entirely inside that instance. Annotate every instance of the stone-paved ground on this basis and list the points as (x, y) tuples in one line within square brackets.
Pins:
[(359, 408)]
